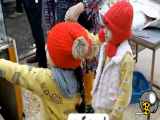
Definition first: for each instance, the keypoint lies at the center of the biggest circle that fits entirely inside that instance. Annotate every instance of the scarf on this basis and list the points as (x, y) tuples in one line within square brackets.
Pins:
[(66, 81)]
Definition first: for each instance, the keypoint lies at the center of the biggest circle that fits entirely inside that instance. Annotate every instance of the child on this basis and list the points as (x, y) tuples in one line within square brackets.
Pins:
[(68, 43), (112, 87)]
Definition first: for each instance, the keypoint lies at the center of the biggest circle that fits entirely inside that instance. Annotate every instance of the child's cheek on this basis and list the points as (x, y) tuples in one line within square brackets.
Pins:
[(108, 35)]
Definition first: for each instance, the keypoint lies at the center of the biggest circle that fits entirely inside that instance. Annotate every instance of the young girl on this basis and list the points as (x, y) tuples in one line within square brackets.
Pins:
[(112, 87), (68, 43)]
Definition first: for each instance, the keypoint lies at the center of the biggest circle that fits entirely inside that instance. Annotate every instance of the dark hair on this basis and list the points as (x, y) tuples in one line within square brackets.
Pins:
[(85, 21)]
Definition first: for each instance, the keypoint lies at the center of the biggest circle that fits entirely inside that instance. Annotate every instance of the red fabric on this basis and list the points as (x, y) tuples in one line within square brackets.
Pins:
[(101, 35), (60, 41), (119, 20)]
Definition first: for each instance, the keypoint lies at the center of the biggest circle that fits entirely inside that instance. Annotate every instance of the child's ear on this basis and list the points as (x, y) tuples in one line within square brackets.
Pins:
[(80, 48)]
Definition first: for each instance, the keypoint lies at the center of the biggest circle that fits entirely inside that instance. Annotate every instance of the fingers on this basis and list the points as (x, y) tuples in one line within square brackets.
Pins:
[(74, 12), (71, 15)]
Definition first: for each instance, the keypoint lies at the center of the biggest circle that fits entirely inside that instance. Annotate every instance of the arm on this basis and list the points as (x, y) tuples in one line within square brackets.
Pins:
[(123, 100), (23, 75), (74, 12), (91, 6)]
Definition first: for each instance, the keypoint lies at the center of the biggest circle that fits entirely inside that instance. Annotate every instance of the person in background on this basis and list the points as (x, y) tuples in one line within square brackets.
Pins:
[(33, 10), (91, 10), (19, 9), (54, 11)]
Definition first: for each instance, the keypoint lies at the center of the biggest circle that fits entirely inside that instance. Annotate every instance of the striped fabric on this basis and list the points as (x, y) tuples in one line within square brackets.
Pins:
[(54, 10), (92, 10)]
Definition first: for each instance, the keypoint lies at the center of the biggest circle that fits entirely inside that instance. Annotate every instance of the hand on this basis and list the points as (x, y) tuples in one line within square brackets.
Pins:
[(74, 12)]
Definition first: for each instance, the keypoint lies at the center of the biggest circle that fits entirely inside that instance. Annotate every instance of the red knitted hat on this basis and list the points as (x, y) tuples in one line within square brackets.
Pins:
[(61, 41), (119, 20)]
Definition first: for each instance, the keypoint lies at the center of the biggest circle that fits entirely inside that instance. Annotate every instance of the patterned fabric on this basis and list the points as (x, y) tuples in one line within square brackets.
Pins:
[(92, 10), (113, 84), (41, 82), (48, 13), (32, 104), (54, 10), (124, 97)]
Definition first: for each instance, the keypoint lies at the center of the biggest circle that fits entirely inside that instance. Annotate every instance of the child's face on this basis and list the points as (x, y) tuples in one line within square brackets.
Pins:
[(108, 34)]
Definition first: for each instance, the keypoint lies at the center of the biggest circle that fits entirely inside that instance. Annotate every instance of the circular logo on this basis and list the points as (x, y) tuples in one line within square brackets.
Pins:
[(149, 102)]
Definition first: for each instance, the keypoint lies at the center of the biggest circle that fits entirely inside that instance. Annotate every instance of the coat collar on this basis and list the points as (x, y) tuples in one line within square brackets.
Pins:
[(121, 51), (102, 67)]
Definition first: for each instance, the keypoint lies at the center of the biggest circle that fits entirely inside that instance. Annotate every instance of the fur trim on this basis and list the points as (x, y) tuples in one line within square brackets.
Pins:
[(94, 51), (80, 48)]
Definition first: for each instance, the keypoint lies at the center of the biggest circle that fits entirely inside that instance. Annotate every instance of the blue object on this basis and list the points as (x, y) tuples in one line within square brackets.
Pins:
[(140, 85)]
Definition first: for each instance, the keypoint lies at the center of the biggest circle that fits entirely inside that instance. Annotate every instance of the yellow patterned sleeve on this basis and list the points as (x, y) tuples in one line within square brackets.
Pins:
[(126, 75), (23, 75)]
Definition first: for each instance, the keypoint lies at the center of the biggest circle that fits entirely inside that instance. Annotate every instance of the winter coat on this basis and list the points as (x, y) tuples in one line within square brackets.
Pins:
[(112, 87), (41, 82)]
